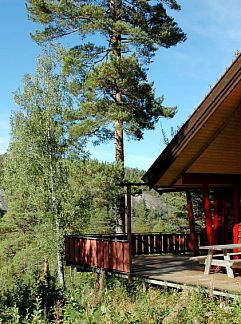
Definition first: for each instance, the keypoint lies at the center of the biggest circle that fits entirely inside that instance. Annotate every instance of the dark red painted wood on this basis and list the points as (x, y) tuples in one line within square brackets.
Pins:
[(126, 265), (99, 245), (93, 256), (208, 216), (203, 178), (177, 243), (72, 250), (82, 251), (87, 252), (139, 245), (216, 216), (152, 246), (165, 243), (146, 246), (236, 215), (133, 245), (106, 252), (119, 256), (181, 243), (193, 238), (223, 221), (158, 244), (77, 250), (170, 244), (113, 255)]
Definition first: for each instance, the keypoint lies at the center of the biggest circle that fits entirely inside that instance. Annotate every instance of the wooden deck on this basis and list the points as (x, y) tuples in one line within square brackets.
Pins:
[(172, 268), (174, 271)]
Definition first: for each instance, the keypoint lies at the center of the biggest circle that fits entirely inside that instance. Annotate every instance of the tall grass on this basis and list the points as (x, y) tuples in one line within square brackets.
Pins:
[(117, 302), (120, 302)]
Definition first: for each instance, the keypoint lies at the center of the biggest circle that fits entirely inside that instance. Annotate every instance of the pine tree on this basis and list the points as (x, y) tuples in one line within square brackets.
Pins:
[(117, 39)]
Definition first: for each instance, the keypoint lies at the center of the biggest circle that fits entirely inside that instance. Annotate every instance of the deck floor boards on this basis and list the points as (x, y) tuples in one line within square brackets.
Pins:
[(180, 270)]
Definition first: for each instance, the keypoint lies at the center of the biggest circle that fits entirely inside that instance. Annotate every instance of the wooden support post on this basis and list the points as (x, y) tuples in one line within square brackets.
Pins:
[(129, 236), (223, 216), (208, 216), (193, 237), (102, 279), (235, 214), (216, 216)]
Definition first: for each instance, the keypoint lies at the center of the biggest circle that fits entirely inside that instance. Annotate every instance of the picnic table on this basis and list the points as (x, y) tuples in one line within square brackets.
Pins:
[(225, 259)]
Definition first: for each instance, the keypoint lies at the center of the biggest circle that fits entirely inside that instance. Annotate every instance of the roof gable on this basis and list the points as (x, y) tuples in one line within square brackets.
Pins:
[(210, 140)]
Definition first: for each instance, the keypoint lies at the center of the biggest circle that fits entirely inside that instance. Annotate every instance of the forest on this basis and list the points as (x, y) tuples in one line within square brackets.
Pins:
[(50, 186)]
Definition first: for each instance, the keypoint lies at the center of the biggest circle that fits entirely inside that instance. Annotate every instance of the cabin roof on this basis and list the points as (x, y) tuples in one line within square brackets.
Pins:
[(208, 146)]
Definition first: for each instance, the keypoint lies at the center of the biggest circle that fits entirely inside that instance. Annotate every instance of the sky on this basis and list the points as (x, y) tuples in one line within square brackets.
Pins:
[(184, 74)]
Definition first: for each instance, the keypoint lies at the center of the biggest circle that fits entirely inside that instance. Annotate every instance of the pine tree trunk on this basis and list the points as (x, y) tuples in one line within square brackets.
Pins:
[(115, 8), (120, 201)]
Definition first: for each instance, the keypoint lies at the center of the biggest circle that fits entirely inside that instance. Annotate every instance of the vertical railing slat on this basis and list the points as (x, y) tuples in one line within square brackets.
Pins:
[(152, 242), (126, 257), (145, 242)]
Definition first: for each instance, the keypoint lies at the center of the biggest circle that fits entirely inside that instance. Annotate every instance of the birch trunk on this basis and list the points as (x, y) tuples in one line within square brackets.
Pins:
[(60, 263)]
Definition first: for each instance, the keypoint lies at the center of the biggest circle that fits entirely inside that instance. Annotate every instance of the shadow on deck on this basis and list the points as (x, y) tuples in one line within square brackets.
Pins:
[(175, 271)]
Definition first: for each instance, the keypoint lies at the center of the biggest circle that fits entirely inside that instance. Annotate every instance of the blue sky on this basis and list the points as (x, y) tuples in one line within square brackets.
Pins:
[(183, 74)]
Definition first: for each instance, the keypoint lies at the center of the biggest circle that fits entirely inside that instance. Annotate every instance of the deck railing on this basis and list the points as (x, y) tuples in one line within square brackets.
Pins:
[(111, 252), (99, 252), (160, 243)]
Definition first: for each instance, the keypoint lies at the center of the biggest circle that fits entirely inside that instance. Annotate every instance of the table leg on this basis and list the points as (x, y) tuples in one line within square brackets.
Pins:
[(227, 264), (208, 262)]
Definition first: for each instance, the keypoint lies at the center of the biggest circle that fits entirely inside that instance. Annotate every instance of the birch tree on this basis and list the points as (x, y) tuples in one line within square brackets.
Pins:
[(35, 167)]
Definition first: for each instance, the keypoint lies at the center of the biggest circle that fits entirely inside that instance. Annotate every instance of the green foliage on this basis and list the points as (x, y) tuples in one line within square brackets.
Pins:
[(143, 25), (91, 196), (35, 171), (1, 168), (138, 109), (117, 39), (117, 302), (120, 302), (31, 297), (110, 81), (166, 213)]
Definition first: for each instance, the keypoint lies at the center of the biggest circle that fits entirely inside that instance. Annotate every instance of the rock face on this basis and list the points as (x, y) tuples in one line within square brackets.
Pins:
[(3, 204), (150, 201)]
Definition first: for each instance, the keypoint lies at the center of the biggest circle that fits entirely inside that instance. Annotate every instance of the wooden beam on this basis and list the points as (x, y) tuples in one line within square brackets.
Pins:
[(202, 178), (208, 216)]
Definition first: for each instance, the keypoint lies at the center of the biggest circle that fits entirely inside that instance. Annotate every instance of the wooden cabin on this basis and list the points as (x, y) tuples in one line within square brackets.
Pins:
[(204, 155)]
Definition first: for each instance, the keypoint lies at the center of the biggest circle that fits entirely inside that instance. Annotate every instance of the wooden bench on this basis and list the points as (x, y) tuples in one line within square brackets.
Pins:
[(224, 259), (202, 258)]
